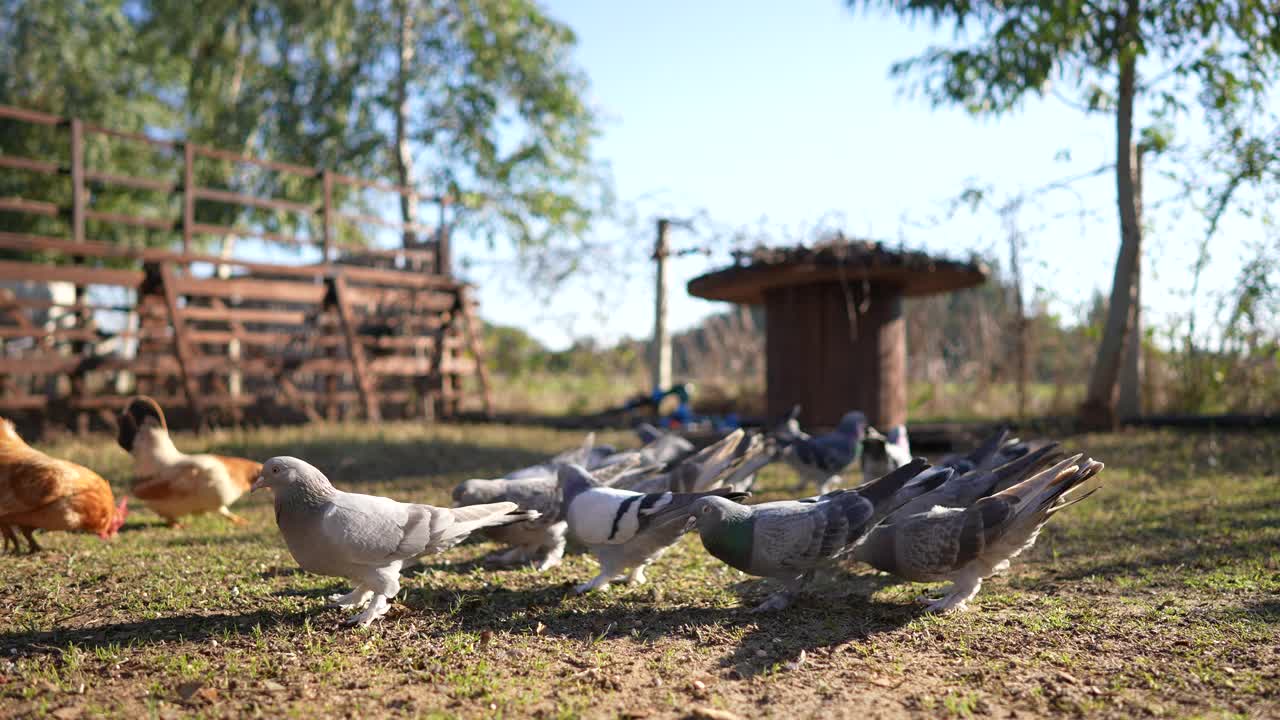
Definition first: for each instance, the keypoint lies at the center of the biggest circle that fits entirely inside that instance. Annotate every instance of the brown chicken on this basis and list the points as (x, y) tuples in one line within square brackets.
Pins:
[(172, 483), (38, 492)]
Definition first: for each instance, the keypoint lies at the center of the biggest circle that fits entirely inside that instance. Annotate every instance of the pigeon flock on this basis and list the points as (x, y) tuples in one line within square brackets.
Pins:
[(962, 519)]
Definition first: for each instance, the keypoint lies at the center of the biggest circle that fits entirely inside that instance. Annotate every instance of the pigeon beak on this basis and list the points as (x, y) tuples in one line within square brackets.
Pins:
[(258, 484)]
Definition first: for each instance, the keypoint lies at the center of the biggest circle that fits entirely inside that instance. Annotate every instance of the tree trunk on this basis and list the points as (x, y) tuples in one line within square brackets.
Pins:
[(1099, 409), (404, 154), (1129, 404)]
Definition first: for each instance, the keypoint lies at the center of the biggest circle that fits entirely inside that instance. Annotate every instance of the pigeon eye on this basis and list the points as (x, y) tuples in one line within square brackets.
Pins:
[(275, 470), (706, 509)]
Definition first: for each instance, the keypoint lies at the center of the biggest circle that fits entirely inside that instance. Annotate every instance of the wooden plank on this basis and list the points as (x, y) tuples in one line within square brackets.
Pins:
[(375, 220), (208, 229), (130, 181), (31, 116), (397, 278), (302, 170), (23, 402), (400, 366), (235, 198), (248, 337), (14, 162), (385, 187), (132, 136), (38, 364), (246, 315), (373, 297), (30, 207), (39, 272), (247, 288), (169, 279), (134, 220), (420, 254), (118, 401), (355, 351), (76, 334)]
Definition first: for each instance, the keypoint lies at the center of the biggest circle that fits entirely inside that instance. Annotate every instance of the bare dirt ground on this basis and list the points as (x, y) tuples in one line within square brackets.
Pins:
[(1159, 596)]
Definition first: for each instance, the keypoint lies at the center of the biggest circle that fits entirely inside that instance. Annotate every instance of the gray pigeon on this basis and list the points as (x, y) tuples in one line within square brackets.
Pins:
[(730, 462), (662, 446), (365, 538), (964, 490), (626, 531), (540, 541), (588, 455), (790, 539), (968, 544), (821, 459)]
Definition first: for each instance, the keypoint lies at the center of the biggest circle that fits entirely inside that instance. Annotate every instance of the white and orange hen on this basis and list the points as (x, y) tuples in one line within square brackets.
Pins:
[(38, 492), (172, 483)]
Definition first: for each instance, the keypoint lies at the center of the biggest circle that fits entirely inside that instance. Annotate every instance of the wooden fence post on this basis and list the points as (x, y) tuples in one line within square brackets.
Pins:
[(355, 351), (188, 194), (81, 314), (183, 351), (326, 230), (443, 261)]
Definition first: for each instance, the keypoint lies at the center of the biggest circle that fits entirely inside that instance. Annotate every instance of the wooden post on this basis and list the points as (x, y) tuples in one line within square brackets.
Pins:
[(181, 347), (443, 261), (78, 199), (79, 203), (326, 220), (188, 194), (476, 345), (660, 350), (355, 351)]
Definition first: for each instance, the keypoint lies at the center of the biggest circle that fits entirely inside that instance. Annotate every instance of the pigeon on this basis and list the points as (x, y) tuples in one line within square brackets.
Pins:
[(542, 541), (588, 455), (730, 462), (964, 490), (969, 544), (662, 446), (790, 539), (787, 430), (884, 453), (624, 530), (822, 458), (365, 538)]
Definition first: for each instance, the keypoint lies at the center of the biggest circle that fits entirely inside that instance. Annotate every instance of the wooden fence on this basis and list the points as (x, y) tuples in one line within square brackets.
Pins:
[(362, 332)]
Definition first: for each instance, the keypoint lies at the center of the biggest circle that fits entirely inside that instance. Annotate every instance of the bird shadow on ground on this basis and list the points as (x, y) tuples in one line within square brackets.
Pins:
[(825, 617), (187, 627)]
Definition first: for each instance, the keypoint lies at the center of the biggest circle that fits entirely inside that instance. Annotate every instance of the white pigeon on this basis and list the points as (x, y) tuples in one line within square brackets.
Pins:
[(624, 530), (365, 538), (882, 454)]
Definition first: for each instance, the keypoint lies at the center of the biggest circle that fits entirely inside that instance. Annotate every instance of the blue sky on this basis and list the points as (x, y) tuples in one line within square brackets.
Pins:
[(783, 115)]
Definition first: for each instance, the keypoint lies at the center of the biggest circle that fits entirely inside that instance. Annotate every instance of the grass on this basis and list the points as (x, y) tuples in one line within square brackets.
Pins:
[(1158, 597)]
